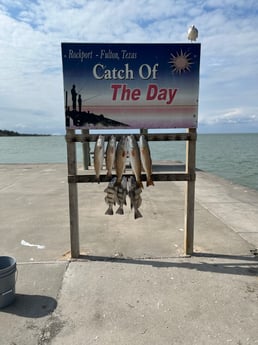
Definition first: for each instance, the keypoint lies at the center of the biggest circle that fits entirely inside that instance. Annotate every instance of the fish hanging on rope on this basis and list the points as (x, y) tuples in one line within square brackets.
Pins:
[(110, 155), (134, 192), (146, 159), (99, 156), (135, 159), (120, 159), (121, 195), (111, 197)]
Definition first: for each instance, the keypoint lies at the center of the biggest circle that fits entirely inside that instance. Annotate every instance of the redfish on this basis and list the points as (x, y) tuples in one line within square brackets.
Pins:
[(99, 156), (135, 159), (110, 155), (120, 158), (146, 159)]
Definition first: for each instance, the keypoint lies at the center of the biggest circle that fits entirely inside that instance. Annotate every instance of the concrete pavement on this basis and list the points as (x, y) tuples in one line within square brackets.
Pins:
[(131, 285)]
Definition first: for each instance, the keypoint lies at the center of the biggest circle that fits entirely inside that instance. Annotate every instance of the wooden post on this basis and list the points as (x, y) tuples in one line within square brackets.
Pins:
[(73, 197), (190, 193), (86, 151), (144, 131)]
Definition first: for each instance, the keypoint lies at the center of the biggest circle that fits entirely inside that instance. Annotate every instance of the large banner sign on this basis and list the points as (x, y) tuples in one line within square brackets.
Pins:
[(131, 85)]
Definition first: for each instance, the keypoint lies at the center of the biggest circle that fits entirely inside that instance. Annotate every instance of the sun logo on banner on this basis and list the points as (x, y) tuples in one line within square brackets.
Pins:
[(181, 62)]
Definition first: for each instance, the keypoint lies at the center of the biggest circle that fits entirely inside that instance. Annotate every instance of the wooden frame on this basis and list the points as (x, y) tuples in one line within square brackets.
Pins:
[(189, 176)]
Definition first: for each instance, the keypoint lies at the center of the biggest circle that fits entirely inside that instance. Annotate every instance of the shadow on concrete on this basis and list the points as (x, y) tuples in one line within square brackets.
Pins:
[(34, 306), (236, 266)]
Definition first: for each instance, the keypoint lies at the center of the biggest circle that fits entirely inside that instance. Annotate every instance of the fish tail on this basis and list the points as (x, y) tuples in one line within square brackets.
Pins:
[(117, 184), (120, 210), (109, 211), (149, 182), (139, 184), (137, 214)]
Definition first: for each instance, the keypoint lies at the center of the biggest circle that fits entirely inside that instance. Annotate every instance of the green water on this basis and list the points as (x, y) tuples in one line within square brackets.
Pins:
[(232, 156)]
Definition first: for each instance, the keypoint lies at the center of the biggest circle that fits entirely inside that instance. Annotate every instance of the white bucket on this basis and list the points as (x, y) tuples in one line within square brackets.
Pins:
[(7, 280)]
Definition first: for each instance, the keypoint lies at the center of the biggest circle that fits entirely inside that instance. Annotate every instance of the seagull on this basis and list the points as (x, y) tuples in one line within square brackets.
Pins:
[(192, 33)]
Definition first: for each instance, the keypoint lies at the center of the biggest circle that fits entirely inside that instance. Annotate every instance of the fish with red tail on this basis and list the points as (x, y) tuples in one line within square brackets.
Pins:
[(99, 156), (146, 159), (110, 155), (120, 159), (135, 159)]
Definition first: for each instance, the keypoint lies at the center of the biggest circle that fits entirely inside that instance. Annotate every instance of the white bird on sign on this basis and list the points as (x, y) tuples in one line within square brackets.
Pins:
[(192, 33)]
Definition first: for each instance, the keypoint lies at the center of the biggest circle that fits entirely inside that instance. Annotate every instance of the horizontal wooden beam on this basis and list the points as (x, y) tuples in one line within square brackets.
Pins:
[(155, 177), (151, 137)]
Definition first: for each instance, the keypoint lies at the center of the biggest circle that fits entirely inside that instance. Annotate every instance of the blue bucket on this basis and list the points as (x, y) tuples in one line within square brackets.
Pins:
[(7, 280)]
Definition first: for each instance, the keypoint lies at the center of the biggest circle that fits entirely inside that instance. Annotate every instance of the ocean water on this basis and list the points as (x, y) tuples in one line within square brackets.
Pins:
[(231, 156)]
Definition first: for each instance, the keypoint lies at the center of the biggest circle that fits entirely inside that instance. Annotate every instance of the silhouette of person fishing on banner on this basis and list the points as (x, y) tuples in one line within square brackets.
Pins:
[(74, 95)]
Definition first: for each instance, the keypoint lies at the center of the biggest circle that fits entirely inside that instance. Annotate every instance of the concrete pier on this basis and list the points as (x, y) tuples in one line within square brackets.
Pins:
[(132, 284)]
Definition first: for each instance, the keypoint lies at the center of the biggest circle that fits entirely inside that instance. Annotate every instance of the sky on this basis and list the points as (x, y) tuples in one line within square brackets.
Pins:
[(31, 32)]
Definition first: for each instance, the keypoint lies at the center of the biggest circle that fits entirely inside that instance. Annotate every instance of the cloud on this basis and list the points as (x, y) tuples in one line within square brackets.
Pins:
[(31, 90), (233, 115)]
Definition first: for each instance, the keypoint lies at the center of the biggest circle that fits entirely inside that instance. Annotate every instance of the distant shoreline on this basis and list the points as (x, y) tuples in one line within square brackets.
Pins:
[(6, 133)]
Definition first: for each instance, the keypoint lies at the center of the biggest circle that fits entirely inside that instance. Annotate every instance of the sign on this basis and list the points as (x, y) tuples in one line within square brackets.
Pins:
[(131, 85)]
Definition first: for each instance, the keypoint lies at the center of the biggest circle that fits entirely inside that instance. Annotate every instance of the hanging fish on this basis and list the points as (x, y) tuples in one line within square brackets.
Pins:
[(110, 155), (146, 159), (99, 156), (134, 155), (111, 197), (121, 195), (120, 158), (134, 192)]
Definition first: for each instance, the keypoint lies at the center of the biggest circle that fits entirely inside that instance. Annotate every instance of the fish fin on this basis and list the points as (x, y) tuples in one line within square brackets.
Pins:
[(149, 182), (139, 184), (109, 211), (137, 214), (120, 210)]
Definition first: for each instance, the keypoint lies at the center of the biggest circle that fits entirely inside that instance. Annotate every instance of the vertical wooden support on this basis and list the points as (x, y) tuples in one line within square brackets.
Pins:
[(86, 151), (190, 193), (73, 197), (144, 131)]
